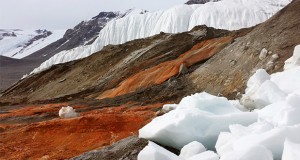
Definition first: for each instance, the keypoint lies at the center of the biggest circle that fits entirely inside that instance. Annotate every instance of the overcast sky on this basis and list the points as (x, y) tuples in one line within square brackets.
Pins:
[(64, 14)]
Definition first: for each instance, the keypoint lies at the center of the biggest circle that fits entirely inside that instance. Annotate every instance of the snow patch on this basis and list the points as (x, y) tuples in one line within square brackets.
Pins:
[(294, 61), (155, 152), (169, 107), (208, 155), (178, 127), (257, 152), (245, 137), (279, 97), (291, 150), (253, 85), (283, 113), (287, 81), (191, 149), (67, 112)]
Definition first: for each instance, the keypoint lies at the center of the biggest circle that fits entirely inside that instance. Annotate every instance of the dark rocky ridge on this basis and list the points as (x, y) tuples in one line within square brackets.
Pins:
[(200, 1), (6, 34), (83, 33), (125, 149)]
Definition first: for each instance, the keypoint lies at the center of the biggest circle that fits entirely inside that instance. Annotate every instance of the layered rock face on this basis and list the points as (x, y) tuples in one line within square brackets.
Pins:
[(162, 72), (160, 55), (122, 87)]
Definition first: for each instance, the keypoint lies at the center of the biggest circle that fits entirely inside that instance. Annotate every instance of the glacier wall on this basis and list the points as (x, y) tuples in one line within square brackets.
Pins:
[(225, 14)]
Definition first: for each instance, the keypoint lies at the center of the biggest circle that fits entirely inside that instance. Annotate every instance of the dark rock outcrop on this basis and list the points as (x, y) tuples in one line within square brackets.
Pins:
[(200, 1), (125, 149)]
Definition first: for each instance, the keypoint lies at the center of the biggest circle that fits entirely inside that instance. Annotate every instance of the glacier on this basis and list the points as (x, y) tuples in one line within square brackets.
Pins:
[(225, 14)]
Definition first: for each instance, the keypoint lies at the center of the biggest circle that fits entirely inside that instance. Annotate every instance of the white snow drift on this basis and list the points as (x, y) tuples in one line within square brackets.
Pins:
[(294, 61), (67, 112), (192, 149), (252, 153), (279, 97), (200, 117), (208, 155), (275, 122), (263, 89), (225, 14), (291, 150), (154, 152)]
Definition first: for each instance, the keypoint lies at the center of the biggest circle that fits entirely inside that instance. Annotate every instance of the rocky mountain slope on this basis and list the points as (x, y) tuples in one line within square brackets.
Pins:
[(35, 52), (82, 34), (229, 14), (122, 87), (129, 60)]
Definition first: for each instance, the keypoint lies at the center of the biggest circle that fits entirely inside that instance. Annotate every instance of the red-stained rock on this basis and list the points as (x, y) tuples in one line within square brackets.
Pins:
[(65, 138), (162, 72), (32, 110)]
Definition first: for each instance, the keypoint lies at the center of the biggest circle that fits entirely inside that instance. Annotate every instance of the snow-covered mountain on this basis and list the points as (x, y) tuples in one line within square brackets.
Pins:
[(82, 34), (18, 44), (226, 14)]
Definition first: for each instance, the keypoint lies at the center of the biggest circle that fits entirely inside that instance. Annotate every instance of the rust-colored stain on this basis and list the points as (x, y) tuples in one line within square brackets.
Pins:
[(162, 72), (32, 110), (66, 138)]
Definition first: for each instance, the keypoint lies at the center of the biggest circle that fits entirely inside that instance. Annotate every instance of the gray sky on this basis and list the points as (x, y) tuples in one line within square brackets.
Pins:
[(64, 14)]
